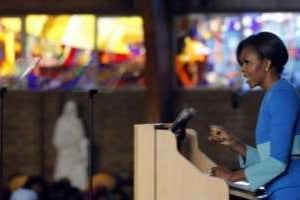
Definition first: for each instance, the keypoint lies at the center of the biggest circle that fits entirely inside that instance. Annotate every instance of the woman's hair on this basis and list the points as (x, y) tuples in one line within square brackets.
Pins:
[(266, 45)]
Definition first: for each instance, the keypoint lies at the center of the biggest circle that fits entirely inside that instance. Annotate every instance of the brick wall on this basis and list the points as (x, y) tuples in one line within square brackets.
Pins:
[(30, 118), (21, 133), (217, 107)]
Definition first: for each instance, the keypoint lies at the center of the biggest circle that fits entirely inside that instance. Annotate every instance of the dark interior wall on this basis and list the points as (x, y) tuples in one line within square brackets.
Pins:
[(220, 108), (21, 136), (29, 121), (30, 118), (74, 6), (131, 6), (179, 6)]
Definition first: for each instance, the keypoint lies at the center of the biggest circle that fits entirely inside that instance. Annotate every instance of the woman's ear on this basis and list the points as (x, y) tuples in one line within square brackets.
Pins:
[(267, 65)]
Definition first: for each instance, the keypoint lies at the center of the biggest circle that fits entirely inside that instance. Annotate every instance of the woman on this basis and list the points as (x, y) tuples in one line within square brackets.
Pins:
[(275, 162)]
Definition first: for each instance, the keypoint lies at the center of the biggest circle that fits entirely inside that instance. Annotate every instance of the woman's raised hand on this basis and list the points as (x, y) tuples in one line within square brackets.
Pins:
[(219, 135)]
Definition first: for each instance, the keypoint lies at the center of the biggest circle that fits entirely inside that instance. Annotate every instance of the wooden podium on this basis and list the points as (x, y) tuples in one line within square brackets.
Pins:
[(161, 172)]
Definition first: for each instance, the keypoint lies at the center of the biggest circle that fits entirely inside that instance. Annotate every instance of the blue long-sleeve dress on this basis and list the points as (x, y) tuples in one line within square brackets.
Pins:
[(275, 162)]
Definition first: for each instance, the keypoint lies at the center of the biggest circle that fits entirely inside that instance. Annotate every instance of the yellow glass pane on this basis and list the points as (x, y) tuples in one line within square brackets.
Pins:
[(134, 29), (10, 44), (71, 30), (115, 33), (11, 23), (80, 32), (35, 24), (48, 27)]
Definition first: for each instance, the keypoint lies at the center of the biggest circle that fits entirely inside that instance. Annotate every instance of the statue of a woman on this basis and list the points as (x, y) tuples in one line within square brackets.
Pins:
[(72, 148)]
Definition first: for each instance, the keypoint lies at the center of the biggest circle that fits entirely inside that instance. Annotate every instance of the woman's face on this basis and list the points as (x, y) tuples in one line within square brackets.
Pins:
[(252, 67)]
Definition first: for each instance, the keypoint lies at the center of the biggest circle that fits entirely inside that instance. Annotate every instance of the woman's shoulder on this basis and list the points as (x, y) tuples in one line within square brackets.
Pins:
[(283, 85), (284, 90)]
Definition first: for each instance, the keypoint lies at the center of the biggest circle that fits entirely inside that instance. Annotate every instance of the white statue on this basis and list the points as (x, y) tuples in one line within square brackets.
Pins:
[(72, 148)]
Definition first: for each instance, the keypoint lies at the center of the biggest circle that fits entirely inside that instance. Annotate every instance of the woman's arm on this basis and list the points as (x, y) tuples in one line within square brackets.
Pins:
[(228, 175), (239, 147), (220, 135), (280, 116)]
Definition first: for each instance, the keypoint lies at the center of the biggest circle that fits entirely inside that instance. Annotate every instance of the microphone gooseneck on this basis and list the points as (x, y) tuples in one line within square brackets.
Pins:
[(179, 125)]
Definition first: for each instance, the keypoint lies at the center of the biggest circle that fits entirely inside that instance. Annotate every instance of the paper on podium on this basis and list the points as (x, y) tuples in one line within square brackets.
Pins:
[(242, 189), (241, 185)]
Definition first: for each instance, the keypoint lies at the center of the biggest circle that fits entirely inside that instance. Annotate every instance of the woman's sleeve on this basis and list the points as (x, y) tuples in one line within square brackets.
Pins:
[(282, 112), (251, 158)]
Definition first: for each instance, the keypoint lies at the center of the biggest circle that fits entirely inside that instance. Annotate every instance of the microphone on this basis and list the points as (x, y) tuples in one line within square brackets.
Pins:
[(179, 125)]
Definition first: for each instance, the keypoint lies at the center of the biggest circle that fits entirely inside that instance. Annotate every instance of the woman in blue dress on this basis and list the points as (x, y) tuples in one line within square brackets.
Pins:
[(274, 162)]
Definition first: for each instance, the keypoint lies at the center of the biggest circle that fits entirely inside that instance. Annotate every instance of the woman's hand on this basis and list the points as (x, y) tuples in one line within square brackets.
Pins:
[(221, 172), (220, 135)]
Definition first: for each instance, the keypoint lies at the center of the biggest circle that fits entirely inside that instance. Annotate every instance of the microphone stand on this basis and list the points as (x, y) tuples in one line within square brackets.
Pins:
[(92, 93), (2, 92)]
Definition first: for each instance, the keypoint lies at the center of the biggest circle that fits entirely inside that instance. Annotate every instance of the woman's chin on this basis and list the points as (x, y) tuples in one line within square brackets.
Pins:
[(251, 84)]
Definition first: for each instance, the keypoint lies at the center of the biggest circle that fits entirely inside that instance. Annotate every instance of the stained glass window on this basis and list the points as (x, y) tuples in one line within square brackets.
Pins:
[(10, 49), (64, 44), (71, 52), (206, 45), (121, 49)]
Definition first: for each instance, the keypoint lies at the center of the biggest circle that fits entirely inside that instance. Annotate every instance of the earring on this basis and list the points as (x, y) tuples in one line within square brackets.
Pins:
[(267, 69)]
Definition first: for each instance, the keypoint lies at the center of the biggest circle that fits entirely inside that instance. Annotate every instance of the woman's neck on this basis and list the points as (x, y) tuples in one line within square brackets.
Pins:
[(270, 79)]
